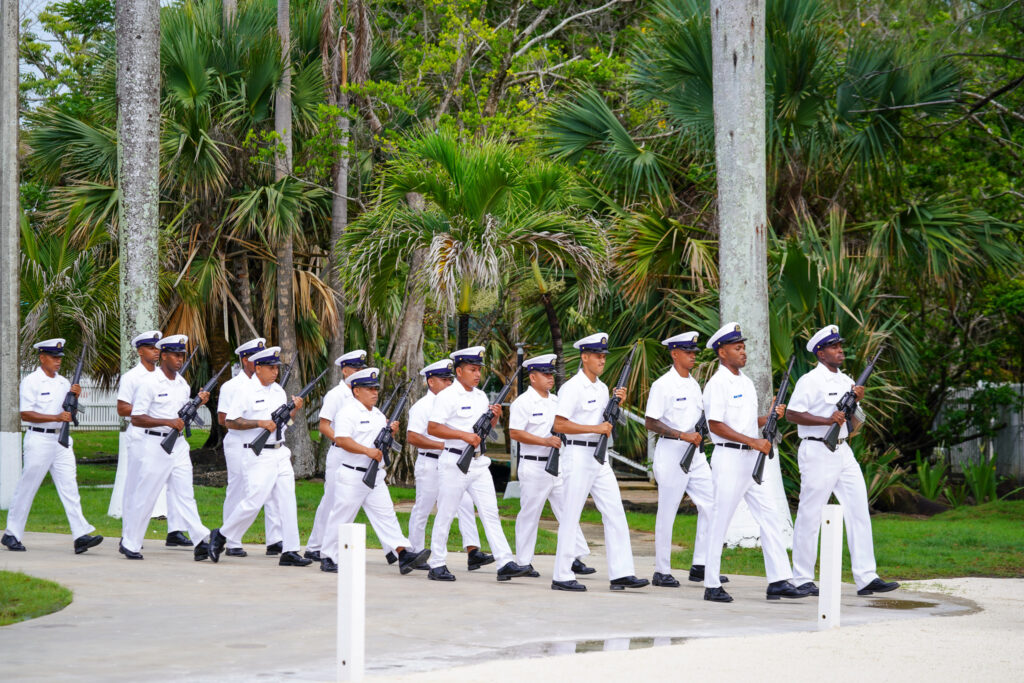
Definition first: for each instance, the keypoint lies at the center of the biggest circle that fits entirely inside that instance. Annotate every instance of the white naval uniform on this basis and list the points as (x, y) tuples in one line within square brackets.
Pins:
[(677, 402), (234, 457), (128, 458), (458, 408), (42, 394), (583, 402), (268, 475), (362, 425), (732, 399), (160, 398), (332, 403), (535, 414), (427, 483), (823, 473)]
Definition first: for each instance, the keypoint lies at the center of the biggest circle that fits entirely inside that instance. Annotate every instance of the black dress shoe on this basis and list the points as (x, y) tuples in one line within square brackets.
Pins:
[(697, 574), (574, 586), (293, 559), (236, 552), (328, 565), (83, 543), (665, 580), (533, 573), (783, 589), (809, 588), (312, 555), (177, 539), (510, 570), (717, 594), (129, 554), (11, 543), (478, 558), (275, 548), (440, 574), (217, 543), (878, 586), (391, 557), (409, 560), (579, 568), (624, 582), (201, 552)]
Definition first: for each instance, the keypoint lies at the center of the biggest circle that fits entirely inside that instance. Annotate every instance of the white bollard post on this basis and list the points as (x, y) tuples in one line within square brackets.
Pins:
[(351, 602), (830, 586)]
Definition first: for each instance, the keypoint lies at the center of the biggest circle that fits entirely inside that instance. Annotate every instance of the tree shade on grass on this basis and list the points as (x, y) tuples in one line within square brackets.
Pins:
[(25, 597)]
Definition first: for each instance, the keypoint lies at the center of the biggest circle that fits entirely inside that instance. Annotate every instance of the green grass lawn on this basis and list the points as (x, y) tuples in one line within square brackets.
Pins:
[(969, 541), (24, 597)]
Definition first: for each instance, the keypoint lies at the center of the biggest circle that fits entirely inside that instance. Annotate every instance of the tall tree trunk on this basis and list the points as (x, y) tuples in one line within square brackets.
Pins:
[(10, 235), (303, 457), (556, 338), (240, 268), (738, 70)]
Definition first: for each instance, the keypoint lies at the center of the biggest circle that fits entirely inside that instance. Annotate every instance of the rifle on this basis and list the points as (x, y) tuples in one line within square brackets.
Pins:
[(701, 428), (553, 457), (281, 415), (385, 442), (771, 427), (386, 406), (188, 361), (189, 413), (70, 404), (612, 411), (287, 373), (848, 404), (482, 427)]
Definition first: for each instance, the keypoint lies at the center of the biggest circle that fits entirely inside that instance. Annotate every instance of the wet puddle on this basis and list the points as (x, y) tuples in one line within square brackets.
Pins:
[(570, 647), (888, 603)]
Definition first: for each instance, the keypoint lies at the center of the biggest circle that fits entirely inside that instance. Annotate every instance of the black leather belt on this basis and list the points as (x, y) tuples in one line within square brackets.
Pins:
[(456, 451), (670, 438), (818, 438), (353, 467), (430, 454), (733, 444), (571, 442), (279, 444), (42, 430), (155, 433), (538, 458)]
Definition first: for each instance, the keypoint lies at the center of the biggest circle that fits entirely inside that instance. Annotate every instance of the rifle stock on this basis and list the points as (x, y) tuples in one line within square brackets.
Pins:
[(482, 427), (70, 404), (554, 456), (701, 428), (771, 427)]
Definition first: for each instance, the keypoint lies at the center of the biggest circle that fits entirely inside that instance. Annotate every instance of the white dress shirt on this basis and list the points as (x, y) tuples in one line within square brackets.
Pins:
[(533, 414), (419, 417), (362, 425), (257, 402), (40, 393), (817, 393), (160, 397), (583, 402), (676, 401), (459, 409), (731, 399)]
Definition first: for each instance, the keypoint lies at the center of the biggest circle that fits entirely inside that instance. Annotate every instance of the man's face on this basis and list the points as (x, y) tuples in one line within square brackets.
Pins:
[(267, 374), (833, 354), (468, 375), (248, 366), (149, 353), (50, 364), (542, 381), (367, 395), (593, 362), (686, 358), (437, 384), (172, 360), (734, 355)]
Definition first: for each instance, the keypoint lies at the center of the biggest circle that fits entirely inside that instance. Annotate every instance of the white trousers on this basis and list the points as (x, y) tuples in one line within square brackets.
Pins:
[(156, 470), (41, 454), (823, 473), (731, 471), (126, 447), (428, 481), (350, 494), (588, 477), (323, 510), (452, 486), (536, 487), (234, 457), (672, 484), (268, 475)]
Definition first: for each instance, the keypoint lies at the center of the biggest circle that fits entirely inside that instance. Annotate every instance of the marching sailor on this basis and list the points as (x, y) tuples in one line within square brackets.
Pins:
[(356, 426), (730, 405), (531, 417), (269, 474), (333, 400), (234, 453), (439, 376), (159, 397), (145, 346), (456, 409), (581, 405), (813, 409), (41, 404), (674, 406)]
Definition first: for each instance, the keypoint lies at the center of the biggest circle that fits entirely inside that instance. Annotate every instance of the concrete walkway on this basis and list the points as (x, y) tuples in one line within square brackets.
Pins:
[(170, 618)]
